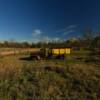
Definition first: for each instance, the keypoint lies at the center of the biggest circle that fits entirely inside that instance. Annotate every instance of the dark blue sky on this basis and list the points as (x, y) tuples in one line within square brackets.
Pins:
[(31, 20)]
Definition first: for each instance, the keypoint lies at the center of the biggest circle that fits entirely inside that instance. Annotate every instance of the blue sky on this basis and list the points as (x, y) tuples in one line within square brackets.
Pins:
[(34, 20)]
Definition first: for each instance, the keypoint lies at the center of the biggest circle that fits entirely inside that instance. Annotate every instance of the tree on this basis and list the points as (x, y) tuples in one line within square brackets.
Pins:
[(87, 37), (96, 42)]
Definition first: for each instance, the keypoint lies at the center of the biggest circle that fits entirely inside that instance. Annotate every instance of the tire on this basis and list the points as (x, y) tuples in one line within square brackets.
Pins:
[(38, 57)]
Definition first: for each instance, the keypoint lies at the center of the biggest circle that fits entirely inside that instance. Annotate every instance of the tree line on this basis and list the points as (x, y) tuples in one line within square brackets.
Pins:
[(87, 41)]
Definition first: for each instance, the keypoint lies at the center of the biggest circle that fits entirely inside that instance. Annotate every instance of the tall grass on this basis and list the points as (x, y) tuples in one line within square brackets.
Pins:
[(46, 81)]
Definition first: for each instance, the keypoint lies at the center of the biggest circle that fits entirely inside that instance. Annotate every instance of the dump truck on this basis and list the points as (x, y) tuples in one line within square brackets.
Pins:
[(50, 53)]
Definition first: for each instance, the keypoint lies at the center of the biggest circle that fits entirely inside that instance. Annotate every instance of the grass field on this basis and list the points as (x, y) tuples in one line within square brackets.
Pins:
[(17, 51), (48, 79)]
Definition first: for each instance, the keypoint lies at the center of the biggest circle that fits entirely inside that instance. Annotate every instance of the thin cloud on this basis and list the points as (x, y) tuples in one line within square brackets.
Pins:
[(70, 27), (68, 32), (37, 32), (56, 39), (36, 35), (39, 36), (47, 39)]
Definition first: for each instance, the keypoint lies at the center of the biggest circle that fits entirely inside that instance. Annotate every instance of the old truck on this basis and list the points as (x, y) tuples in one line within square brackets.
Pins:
[(50, 53)]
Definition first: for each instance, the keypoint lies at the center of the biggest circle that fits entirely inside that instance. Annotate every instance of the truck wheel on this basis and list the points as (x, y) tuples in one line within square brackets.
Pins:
[(38, 57)]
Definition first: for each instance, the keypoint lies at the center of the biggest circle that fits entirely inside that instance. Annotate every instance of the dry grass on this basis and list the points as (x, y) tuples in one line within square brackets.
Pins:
[(46, 80), (12, 51)]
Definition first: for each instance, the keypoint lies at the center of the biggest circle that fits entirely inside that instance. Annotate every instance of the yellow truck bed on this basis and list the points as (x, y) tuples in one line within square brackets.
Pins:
[(61, 51)]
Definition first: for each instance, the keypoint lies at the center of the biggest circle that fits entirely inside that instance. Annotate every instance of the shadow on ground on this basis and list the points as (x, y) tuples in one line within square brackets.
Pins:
[(26, 58)]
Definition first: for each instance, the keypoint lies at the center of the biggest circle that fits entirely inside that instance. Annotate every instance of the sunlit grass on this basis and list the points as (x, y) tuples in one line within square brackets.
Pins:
[(48, 79)]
